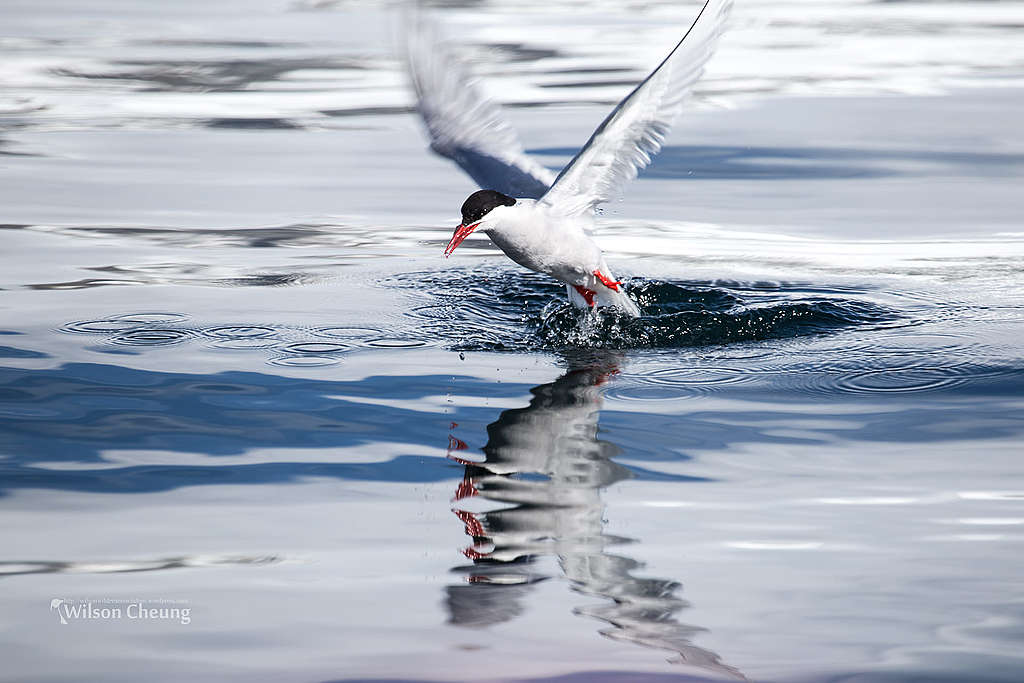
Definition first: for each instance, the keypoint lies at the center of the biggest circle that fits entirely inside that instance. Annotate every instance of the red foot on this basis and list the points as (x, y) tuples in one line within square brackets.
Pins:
[(607, 282), (587, 294), (473, 526), (474, 554), (455, 444), (466, 489)]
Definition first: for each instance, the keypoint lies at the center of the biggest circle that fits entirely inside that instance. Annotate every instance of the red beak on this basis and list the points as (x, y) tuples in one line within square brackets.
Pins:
[(461, 233)]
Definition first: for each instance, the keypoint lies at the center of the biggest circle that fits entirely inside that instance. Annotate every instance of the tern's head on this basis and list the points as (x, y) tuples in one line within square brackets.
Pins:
[(476, 210)]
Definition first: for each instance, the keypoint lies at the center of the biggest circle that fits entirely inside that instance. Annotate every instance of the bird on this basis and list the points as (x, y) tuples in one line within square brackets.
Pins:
[(542, 221)]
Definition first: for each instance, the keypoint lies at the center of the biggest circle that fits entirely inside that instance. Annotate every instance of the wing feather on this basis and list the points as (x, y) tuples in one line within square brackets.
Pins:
[(463, 124), (633, 133)]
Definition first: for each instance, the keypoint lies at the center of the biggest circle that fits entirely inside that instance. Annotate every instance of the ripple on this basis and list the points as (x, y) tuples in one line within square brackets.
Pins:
[(913, 343), (245, 343), (239, 332), (305, 361), (122, 323), (883, 374), (151, 337), (347, 332), (315, 347), (395, 343), (153, 318), (643, 392), (432, 311), (742, 352), (148, 329), (99, 326), (896, 380), (701, 376)]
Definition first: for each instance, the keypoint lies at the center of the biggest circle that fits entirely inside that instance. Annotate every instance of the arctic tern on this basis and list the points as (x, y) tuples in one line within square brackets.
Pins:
[(542, 221)]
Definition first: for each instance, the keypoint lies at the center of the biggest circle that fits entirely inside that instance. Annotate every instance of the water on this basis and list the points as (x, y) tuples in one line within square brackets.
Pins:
[(238, 378)]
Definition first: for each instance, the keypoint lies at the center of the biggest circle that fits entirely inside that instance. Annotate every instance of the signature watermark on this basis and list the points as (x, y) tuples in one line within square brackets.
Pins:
[(179, 611)]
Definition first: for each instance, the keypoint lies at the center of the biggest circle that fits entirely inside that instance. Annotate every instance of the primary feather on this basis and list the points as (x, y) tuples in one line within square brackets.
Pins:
[(463, 124), (625, 141)]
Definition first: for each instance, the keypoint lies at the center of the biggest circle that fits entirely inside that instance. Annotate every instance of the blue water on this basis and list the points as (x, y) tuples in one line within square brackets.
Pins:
[(238, 377)]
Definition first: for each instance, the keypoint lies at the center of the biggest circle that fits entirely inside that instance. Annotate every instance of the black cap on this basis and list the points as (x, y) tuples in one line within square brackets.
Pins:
[(480, 203)]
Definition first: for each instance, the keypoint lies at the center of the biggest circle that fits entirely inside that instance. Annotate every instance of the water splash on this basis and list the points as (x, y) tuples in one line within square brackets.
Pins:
[(480, 310)]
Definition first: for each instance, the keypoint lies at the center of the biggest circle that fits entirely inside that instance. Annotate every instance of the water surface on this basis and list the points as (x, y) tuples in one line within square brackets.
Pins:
[(237, 374)]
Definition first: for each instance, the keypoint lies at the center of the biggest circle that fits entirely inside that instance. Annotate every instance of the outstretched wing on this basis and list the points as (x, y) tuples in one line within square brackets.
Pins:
[(625, 141), (463, 124)]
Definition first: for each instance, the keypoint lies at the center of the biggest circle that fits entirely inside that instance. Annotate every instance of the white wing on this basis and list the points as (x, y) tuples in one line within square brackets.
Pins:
[(625, 141), (463, 124)]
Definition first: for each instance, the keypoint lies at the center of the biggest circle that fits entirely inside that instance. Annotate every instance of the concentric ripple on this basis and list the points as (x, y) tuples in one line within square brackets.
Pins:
[(150, 337), (245, 343), (316, 348), (239, 332), (904, 379), (698, 376), (348, 332), (395, 343), (626, 391), (304, 361), (125, 322)]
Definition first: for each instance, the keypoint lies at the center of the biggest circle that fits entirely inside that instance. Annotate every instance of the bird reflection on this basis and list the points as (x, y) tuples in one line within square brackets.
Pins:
[(545, 467)]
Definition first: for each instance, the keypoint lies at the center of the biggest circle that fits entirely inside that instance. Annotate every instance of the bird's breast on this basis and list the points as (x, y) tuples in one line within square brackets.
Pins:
[(563, 251)]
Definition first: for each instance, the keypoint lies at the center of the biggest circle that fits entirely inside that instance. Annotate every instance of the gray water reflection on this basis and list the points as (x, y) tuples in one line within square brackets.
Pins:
[(18, 568), (205, 76), (547, 466)]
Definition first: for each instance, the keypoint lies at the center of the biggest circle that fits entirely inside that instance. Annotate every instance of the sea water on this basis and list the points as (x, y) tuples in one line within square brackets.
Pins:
[(239, 381)]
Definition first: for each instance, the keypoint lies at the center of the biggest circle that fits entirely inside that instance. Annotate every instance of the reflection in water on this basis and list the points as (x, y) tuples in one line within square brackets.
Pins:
[(560, 513)]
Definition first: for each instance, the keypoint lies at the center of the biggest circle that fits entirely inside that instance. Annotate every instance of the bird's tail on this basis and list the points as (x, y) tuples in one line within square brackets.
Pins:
[(619, 299)]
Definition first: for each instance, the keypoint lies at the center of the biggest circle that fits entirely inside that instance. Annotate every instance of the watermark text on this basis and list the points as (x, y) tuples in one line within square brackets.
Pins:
[(105, 609)]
